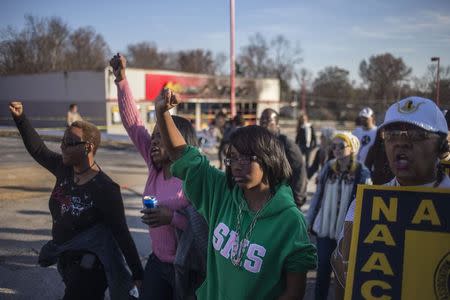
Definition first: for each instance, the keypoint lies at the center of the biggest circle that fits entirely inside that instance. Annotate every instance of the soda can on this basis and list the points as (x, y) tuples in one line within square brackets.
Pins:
[(150, 201), (134, 293)]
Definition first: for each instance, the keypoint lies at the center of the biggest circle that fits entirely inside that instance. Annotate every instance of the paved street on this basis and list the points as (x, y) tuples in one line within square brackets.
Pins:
[(25, 221)]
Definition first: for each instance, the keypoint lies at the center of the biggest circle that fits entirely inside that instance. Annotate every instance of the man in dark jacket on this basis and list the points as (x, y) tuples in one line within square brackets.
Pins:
[(269, 119), (306, 137)]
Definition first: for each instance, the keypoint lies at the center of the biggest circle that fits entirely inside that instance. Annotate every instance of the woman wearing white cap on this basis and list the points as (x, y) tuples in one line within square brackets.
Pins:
[(336, 188), (415, 135)]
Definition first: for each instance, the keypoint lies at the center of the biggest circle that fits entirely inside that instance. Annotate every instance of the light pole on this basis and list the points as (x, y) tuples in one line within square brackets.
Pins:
[(435, 58), (232, 62)]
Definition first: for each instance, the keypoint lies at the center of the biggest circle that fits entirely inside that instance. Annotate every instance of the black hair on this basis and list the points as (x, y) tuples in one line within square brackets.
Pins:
[(271, 111), (186, 129), (258, 141), (72, 105), (301, 120)]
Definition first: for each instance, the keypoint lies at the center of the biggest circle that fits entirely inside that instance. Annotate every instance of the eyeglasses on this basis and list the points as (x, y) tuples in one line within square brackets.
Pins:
[(412, 135), (340, 146), (243, 160), (65, 143)]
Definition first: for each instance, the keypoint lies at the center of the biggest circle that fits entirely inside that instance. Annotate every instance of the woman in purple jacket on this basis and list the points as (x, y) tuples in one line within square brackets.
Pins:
[(165, 220)]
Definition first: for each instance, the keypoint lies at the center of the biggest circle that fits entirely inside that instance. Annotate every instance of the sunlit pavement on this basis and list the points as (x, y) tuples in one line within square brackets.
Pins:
[(25, 220)]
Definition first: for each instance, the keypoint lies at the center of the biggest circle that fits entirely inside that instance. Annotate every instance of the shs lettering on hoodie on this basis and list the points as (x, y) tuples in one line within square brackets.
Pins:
[(278, 243), (223, 241)]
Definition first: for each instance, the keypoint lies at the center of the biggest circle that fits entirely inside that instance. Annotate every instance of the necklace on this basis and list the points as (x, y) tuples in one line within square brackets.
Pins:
[(77, 178), (240, 246)]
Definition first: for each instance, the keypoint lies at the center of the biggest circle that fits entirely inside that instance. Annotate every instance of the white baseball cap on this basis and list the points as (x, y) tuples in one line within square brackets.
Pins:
[(418, 111), (366, 112)]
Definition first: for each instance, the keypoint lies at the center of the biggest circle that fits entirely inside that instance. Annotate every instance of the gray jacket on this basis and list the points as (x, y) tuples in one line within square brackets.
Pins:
[(190, 258)]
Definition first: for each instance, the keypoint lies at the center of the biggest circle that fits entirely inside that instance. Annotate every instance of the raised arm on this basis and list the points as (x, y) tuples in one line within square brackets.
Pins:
[(201, 181), (129, 113), (170, 134), (32, 141)]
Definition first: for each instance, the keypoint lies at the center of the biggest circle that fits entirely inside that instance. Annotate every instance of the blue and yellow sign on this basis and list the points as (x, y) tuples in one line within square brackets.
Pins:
[(400, 245)]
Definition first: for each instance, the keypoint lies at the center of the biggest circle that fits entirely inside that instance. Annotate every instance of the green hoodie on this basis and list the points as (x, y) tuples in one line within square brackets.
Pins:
[(279, 242)]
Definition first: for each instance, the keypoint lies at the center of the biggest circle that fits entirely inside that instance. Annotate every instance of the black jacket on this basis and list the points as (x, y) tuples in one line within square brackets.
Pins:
[(300, 139), (298, 181), (76, 208)]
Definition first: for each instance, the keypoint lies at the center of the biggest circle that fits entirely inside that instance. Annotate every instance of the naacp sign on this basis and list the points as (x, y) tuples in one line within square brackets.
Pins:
[(400, 245)]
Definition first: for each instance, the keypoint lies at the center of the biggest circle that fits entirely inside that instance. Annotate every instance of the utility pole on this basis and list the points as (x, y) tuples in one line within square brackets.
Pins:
[(232, 62), (437, 78)]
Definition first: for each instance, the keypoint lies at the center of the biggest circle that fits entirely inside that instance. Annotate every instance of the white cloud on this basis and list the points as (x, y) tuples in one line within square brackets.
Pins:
[(425, 25), (369, 33), (405, 50), (440, 18)]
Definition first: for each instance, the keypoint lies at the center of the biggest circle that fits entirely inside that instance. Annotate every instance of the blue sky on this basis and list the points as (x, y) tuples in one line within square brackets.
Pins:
[(330, 32)]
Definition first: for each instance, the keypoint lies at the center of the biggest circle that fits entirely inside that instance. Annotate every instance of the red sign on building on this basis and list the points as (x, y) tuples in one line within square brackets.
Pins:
[(181, 84)]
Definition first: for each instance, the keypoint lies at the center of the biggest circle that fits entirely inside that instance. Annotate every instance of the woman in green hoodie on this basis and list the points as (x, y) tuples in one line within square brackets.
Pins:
[(258, 243)]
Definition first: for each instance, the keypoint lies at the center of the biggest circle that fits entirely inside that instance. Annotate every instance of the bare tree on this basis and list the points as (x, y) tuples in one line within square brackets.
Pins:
[(276, 59), (333, 82), (39, 47), (444, 83), (286, 58), (420, 84), (86, 50), (254, 60), (15, 52), (303, 76), (383, 73), (220, 60), (196, 61), (146, 55), (47, 44)]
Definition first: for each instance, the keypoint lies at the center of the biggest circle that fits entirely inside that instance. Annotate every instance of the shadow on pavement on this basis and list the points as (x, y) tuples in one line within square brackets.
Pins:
[(27, 231), (33, 212), (27, 189)]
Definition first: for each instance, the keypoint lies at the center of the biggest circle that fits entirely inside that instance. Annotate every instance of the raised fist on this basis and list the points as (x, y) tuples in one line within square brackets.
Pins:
[(16, 108), (118, 64), (166, 101)]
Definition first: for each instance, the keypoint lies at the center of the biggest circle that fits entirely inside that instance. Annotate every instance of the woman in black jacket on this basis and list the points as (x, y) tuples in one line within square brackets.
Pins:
[(83, 197)]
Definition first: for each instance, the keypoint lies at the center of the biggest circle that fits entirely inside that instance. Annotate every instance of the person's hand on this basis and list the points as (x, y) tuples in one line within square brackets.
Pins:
[(166, 101), (16, 108), (118, 64), (158, 216)]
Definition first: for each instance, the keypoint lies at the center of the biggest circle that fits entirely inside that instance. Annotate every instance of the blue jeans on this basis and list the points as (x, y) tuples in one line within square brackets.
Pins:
[(325, 247), (159, 278)]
